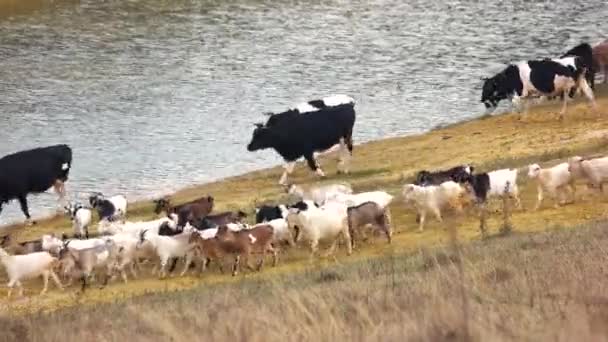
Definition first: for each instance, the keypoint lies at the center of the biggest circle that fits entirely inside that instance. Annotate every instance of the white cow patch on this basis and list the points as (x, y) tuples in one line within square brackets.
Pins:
[(252, 238), (65, 166), (306, 108), (336, 100)]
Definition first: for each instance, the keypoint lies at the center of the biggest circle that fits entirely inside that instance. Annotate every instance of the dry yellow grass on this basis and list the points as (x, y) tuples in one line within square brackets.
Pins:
[(492, 142), (526, 287)]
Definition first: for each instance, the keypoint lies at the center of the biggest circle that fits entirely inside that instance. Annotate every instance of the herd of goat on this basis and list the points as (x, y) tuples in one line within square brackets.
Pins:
[(192, 232)]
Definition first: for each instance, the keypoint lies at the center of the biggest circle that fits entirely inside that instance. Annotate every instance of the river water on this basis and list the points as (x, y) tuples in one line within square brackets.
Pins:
[(157, 95)]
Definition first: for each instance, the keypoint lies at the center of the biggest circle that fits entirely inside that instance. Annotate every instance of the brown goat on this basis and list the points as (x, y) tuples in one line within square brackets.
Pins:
[(208, 249), (368, 213), (19, 248), (245, 242), (186, 212)]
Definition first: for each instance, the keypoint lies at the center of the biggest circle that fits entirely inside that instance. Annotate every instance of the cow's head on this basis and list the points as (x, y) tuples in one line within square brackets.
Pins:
[(261, 138), (490, 91)]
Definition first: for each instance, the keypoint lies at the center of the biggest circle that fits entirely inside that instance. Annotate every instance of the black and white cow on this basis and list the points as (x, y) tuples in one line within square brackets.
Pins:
[(547, 77), (34, 171), (311, 127)]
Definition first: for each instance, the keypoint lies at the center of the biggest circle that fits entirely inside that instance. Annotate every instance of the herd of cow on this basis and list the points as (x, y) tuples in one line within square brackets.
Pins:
[(191, 230)]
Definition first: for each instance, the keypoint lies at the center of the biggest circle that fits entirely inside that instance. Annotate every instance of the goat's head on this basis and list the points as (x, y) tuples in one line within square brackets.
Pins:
[(162, 204), (95, 198), (533, 170), (574, 163)]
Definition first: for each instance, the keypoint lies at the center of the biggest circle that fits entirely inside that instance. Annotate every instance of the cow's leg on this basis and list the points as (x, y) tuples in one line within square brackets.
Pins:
[(605, 68), (314, 165), (345, 155), (289, 166), (584, 86), (59, 187), (23, 203), (566, 97)]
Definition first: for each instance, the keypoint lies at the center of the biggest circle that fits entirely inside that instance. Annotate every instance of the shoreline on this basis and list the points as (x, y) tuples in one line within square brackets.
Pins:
[(142, 207)]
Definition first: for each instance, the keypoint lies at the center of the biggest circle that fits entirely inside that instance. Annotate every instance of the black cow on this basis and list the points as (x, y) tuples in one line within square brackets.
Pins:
[(34, 171), (304, 134), (547, 77), (424, 177)]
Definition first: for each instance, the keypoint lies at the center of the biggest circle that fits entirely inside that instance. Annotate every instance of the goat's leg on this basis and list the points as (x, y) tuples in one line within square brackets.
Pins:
[(56, 280), (10, 286), (20, 288), (132, 268), (275, 256), (437, 214), (314, 246), (235, 266), (163, 264), (187, 264), (45, 282), (572, 187), (385, 227), (349, 241), (248, 261), (539, 198), (515, 194), (422, 218)]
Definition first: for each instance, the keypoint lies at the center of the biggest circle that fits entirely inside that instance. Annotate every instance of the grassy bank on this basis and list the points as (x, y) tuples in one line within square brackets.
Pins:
[(526, 287), (488, 143)]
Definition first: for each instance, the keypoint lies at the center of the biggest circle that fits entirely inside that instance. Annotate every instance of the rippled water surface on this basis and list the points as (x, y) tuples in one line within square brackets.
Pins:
[(158, 95)]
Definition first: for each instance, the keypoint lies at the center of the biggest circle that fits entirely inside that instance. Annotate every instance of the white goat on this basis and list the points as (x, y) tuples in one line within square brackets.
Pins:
[(22, 267), (554, 180), (51, 243), (433, 198), (595, 171), (320, 194), (168, 247), (382, 198), (135, 228), (325, 223), (81, 218), (128, 253)]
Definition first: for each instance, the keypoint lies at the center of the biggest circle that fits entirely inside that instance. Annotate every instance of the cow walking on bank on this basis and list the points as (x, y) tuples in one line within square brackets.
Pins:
[(34, 171), (309, 128), (547, 77)]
